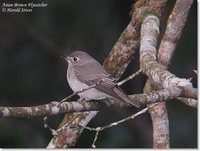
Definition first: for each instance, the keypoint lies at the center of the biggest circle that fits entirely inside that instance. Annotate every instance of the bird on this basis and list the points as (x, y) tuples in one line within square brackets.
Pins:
[(84, 71)]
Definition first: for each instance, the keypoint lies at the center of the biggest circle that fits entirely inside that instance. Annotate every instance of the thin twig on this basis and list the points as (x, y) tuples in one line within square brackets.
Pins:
[(54, 132), (125, 119), (95, 139), (130, 77), (98, 129)]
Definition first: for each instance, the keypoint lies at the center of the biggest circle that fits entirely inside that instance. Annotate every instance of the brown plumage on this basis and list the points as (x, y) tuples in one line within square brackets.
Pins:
[(84, 71)]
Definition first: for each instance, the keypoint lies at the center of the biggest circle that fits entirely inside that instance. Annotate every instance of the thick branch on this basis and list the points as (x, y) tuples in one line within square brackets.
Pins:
[(160, 121), (159, 75), (159, 116), (55, 108), (149, 65), (175, 25), (69, 130), (173, 30), (160, 132), (166, 50), (122, 52)]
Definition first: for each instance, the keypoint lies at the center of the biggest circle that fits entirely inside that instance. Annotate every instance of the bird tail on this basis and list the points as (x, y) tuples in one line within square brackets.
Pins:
[(124, 97)]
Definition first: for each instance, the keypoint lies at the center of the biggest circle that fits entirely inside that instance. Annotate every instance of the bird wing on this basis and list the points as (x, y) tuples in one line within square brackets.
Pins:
[(95, 73)]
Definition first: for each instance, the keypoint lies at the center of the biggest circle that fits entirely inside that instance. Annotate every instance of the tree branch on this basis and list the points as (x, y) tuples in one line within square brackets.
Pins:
[(176, 21), (149, 65), (166, 50), (159, 113), (159, 116), (55, 108), (173, 31)]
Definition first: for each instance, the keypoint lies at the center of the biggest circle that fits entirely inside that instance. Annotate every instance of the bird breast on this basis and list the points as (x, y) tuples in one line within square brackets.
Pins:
[(76, 85)]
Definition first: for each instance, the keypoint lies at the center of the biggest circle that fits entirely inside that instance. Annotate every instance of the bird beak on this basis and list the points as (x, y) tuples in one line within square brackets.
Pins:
[(63, 57)]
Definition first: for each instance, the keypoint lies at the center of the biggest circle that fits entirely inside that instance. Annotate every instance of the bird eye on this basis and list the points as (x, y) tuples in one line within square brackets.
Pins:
[(75, 59)]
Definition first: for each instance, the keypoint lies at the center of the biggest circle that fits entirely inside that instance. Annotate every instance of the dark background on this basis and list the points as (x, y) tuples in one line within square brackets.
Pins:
[(32, 73)]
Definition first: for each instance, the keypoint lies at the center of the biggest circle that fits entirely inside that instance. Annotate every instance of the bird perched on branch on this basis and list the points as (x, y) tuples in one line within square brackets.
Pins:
[(84, 71)]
